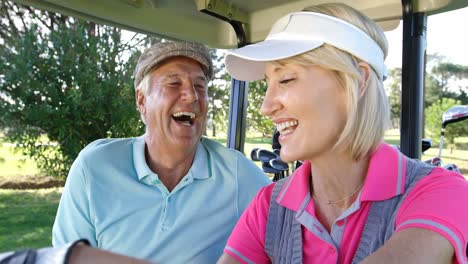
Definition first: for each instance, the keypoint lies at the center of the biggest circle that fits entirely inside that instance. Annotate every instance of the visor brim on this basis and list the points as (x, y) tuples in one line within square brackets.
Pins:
[(248, 63)]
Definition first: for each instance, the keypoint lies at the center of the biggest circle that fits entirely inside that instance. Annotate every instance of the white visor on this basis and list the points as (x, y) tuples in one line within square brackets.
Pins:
[(300, 32)]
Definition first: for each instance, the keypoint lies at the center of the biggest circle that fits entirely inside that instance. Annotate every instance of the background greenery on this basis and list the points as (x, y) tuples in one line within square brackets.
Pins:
[(65, 82), (26, 218)]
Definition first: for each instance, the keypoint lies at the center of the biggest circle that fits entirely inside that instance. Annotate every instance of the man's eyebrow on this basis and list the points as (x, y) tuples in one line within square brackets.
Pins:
[(202, 78), (172, 75), (176, 75)]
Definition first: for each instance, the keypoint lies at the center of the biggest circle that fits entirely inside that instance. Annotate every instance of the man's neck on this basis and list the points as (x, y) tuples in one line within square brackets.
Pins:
[(170, 164)]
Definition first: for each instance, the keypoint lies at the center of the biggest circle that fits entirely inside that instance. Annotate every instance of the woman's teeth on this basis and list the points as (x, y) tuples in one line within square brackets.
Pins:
[(287, 126)]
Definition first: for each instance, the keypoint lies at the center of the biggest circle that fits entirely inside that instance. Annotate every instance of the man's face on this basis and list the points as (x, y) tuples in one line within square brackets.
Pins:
[(175, 105)]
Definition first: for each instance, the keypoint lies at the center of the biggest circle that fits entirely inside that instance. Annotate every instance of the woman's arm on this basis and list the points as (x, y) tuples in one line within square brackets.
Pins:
[(85, 254), (414, 245)]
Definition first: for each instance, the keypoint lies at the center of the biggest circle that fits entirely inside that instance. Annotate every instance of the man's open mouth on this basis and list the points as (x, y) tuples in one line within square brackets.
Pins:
[(184, 118)]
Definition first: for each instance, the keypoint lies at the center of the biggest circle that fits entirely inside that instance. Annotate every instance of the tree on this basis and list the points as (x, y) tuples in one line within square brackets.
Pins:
[(444, 80), (434, 122), (393, 87), (218, 95), (256, 122), (63, 84)]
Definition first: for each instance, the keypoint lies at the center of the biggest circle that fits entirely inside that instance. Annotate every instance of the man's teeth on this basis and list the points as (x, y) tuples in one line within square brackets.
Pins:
[(189, 114), (286, 126)]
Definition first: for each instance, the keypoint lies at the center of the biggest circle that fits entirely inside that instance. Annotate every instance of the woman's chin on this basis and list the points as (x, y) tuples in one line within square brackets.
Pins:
[(286, 157)]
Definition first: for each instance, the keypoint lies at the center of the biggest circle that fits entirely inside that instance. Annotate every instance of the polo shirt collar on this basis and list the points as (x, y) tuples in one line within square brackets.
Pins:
[(139, 160), (199, 170), (386, 175), (296, 188), (385, 179)]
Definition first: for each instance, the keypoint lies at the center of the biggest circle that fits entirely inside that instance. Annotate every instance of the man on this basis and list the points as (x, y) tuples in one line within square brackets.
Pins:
[(171, 195)]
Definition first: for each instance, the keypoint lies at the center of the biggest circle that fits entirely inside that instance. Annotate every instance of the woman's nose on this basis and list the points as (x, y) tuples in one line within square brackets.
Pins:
[(270, 103)]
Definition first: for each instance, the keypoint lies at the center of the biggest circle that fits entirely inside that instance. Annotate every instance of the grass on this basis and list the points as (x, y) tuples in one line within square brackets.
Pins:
[(26, 218), (14, 163), (458, 156)]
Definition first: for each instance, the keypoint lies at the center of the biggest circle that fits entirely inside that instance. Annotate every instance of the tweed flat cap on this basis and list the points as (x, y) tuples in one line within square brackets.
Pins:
[(153, 56)]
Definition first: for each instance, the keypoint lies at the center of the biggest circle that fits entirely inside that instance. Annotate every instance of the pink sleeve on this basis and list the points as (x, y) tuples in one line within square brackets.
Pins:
[(247, 240), (439, 203)]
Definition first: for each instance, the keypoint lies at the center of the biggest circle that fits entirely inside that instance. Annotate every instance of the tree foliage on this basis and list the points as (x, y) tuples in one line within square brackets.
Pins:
[(256, 122), (434, 122), (62, 83), (218, 96), (393, 87), (443, 79)]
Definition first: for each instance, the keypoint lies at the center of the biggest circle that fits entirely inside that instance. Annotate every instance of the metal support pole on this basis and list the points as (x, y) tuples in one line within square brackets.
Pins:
[(237, 114), (412, 85), (237, 102)]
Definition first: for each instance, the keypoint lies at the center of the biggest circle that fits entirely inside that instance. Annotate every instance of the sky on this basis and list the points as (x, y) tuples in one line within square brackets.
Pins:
[(446, 35)]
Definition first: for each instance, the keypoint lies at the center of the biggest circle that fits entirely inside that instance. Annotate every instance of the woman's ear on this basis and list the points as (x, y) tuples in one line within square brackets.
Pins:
[(365, 71)]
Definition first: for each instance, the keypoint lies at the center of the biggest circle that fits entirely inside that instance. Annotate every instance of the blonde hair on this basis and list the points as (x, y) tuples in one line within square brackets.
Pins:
[(368, 112)]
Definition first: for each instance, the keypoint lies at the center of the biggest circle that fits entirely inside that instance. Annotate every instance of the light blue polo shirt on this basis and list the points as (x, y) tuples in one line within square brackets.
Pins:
[(114, 200)]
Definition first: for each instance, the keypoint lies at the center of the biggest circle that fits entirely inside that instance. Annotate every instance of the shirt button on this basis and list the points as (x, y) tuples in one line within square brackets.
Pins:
[(156, 181), (340, 222)]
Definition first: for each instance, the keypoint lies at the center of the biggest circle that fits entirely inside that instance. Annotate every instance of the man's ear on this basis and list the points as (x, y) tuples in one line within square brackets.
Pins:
[(365, 71), (140, 101)]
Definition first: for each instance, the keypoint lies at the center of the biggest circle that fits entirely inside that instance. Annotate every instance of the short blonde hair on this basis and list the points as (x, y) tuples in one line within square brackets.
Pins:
[(368, 113)]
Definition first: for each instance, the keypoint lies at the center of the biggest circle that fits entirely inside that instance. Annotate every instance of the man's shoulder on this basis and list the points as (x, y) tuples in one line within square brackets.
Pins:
[(236, 162), (214, 147), (225, 154), (105, 146)]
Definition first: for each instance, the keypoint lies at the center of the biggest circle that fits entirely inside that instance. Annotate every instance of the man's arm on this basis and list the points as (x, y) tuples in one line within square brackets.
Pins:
[(226, 259), (414, 245), (73, 220)]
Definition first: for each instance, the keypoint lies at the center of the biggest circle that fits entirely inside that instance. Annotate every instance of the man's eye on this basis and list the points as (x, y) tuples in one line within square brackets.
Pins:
[(174, 83), (285, 81)]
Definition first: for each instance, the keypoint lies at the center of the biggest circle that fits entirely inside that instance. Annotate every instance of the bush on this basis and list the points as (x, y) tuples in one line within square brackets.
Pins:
[(65, 87), (434, 122)]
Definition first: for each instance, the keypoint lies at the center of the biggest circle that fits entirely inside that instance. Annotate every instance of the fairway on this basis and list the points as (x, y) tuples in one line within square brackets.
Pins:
[(26, 218)]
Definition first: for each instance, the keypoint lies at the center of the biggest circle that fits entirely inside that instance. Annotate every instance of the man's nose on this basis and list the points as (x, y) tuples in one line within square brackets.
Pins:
[(189, 92)]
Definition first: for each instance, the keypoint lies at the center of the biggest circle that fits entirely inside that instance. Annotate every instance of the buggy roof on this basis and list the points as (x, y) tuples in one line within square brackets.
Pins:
[(204, 21)]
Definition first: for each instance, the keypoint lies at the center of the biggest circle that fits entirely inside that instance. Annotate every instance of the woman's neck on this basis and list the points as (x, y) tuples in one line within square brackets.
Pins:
[(337, 178)]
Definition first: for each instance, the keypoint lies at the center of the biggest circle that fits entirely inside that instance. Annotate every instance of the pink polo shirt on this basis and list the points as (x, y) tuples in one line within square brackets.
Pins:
[(437, 202)]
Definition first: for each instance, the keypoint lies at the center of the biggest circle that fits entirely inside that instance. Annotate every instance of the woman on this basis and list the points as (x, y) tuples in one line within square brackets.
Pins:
[(355, 198)]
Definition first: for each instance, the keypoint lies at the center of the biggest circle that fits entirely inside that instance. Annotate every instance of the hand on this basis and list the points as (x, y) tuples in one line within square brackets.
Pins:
[(85, 254)]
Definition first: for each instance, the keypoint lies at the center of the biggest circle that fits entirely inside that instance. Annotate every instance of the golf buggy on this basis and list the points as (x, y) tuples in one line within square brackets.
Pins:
[(227, 24)]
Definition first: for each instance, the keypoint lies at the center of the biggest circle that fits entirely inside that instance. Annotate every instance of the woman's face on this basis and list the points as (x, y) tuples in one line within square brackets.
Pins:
[(308, 107)]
